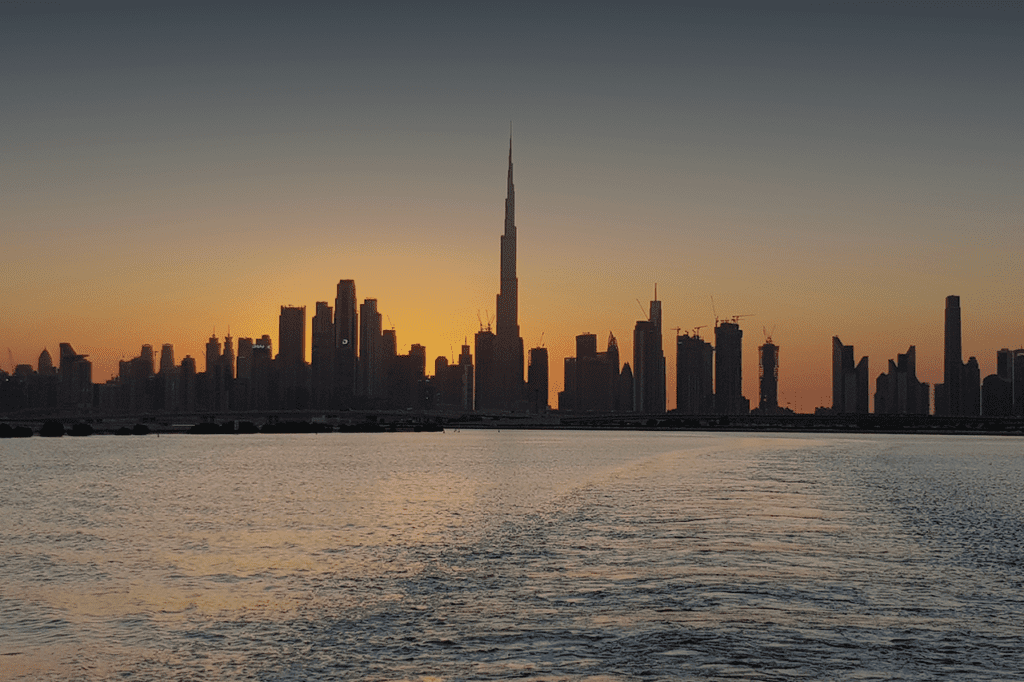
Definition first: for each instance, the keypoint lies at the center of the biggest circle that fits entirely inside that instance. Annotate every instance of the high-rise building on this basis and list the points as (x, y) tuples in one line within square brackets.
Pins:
[(487, 398), (74, 379), (898, 391), (212, 353), (694, 375), (537, 381), (592, 378), (849, 382), (166, 358), (291, 337), (649, 363), (45, 366), (466, 365), (997, 389), (322, 356), (293, 373), (729, 370), (508, 344), (228, 358), (371, 380), (768, 376), (953, 361), (346, 336)]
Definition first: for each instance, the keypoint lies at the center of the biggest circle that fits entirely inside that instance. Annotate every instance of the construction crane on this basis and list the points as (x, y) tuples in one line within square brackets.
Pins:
[(767, 335), (697, 329), (736, 318), (642, 311), (542, 339)]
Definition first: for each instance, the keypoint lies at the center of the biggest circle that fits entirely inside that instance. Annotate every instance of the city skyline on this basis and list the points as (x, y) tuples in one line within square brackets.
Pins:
[(827, 189)]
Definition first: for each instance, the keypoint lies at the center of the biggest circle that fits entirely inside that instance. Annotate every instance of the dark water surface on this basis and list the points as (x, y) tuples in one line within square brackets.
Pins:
[(496, 555)]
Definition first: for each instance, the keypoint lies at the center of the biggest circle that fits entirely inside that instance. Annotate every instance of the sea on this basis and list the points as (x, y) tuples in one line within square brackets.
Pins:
[(528, 555)]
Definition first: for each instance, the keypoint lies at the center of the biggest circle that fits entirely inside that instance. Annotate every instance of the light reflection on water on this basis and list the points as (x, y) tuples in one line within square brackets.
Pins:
[(489, 555)]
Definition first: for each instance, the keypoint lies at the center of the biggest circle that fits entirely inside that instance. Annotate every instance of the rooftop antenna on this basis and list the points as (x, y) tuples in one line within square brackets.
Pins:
[(713, 311), (655, 291)]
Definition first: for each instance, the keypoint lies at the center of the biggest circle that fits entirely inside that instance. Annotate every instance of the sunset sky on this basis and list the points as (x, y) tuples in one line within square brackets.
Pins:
[(835, 168)]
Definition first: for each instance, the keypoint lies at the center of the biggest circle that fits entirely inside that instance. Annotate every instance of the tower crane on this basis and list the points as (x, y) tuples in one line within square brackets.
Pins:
[(642, 311)]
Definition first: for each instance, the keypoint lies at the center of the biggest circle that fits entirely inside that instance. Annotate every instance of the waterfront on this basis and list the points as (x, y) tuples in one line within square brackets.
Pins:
[(498, 554)]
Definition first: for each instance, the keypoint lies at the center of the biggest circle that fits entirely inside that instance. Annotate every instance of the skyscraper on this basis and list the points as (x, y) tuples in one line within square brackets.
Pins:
[(768, 370), (291, 358), (898, 391), (508, 344), (953, 361), (322, 355), (291, 337), (729, 370), (486, 397), (346, 335), (649, 362), (370, 377), (694, 375), (537, 381), (166, 358), (849, 382)]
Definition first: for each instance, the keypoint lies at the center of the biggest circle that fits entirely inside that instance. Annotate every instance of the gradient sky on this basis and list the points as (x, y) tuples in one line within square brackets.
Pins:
[(171, 168)]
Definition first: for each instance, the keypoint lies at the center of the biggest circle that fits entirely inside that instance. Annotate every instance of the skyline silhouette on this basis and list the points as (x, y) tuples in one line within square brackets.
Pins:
[(834, 171), (355, 365)]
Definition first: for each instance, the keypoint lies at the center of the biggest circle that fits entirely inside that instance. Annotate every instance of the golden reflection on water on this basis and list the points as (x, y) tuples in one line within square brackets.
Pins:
[(515, 547)]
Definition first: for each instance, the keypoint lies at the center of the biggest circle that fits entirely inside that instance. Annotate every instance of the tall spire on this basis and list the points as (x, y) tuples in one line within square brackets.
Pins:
[(511, 190)]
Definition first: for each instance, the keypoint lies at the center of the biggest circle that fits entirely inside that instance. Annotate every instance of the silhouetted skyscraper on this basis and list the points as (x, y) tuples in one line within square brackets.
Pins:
[(849, 382), (227, 358), (166, 358), (537, 381), (212, 354), (74, 378), (346, 342), (487, 398), (953, 361), (649, 363), (291, 338), (729, 370), (592, 378), (371, 379), (322, 355), (899, 391), (45, 366), (694, 375), (768, 375), (291, 358), (508, 345)]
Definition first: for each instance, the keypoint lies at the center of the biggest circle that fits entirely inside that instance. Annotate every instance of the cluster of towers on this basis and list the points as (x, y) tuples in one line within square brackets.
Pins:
[(961, 394), (355, 364)]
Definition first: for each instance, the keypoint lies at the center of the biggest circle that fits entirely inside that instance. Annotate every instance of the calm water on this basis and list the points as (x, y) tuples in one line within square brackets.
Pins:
[(494, 555)]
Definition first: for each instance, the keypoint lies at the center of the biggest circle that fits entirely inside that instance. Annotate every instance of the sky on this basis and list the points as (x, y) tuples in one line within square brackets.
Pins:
[(175, 169)]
